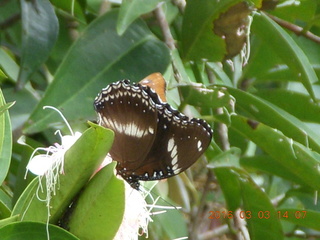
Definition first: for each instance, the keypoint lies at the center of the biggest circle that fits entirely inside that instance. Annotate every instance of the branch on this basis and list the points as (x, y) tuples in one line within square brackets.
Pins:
[(295, 29), (164, 27), (10, 21)]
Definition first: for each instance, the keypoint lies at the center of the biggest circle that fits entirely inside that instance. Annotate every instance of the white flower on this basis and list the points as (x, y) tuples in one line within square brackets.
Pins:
[(137, 212), (50, 164)]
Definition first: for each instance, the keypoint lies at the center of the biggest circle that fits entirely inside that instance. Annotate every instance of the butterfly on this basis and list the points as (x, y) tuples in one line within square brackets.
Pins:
[(153, 141)]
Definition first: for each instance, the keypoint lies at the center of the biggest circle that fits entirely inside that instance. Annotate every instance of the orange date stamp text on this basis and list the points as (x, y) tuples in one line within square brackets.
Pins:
[(257, 214)]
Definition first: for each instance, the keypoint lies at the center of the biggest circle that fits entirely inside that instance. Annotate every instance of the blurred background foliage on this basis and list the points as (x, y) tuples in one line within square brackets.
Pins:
[(250, 68)]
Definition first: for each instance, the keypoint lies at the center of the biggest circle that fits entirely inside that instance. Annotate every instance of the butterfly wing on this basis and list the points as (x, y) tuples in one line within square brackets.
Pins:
[(126, 110), (178, 144)]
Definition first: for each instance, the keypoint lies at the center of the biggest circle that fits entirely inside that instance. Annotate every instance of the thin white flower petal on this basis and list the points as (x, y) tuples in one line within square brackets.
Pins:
[(68, 140), (136, 216), (40, 164)]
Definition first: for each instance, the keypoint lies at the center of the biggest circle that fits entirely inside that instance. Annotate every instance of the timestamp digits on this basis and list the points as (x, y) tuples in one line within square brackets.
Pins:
[(257, 214)]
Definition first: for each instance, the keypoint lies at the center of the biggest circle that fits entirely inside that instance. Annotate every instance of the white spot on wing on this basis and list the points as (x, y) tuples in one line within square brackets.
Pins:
[(151, 130), (199, 145), (129, 129), (170, 144), (172, 149)]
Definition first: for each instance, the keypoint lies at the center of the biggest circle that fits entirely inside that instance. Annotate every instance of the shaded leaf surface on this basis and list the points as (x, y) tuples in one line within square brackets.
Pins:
[(40, 31), (98, 58)]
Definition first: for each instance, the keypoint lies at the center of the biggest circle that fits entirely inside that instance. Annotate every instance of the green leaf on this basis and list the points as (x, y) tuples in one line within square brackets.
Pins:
[(258, 211), (220, 74), (8, 220), (98, 212), (80, 162), (164, 223), (25, 102), (39, 34), (4, 210), (2, 75), (297, 104), (9, 66), (96, 59), (5, 138), (227, 158), (198, 39), (292, 156), (213, 97), (76, 8), (230, 187), (287, 49), (269, 165), (130, 10), (5, 107), (264, 223), (301, 217), (33, 230), (275, 117)]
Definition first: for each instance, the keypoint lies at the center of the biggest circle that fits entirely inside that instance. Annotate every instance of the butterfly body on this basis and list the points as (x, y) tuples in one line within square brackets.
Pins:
[(152, 141)]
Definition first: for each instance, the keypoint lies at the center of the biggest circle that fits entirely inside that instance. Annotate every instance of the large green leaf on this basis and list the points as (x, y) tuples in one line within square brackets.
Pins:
[(301, 217), (229, 183), (213, 97), (275, 117), (263, 223), (130, 10), (5, 205), (295, 103), (39, 33), (269, 165), (98, 58), (256, 207), (34, 230), (100, 204), (198, 38), (25, 103), (5, 138), (80, 162), (9, 66), (287, 49), (292, 156)]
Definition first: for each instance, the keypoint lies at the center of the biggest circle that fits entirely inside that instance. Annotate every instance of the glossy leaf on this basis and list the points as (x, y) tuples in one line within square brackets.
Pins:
[(297, 104), (264, 224), (81, 160), (269, 165), (301, 217), (287, 49), (25, 102), (292, 156), (261, 110), (230, 186), (98, 58), (213, 97), (5, 138), (220, 74), (40, 31), (9, 66), (8, 220), (169, 219), (256, 207), (100, 204), (198, 39), (5, 205), (5, 107), (33, 230), (130, 10)]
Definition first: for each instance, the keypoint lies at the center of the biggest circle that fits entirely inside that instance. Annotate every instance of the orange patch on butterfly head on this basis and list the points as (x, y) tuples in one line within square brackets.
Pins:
[(156, 82)]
